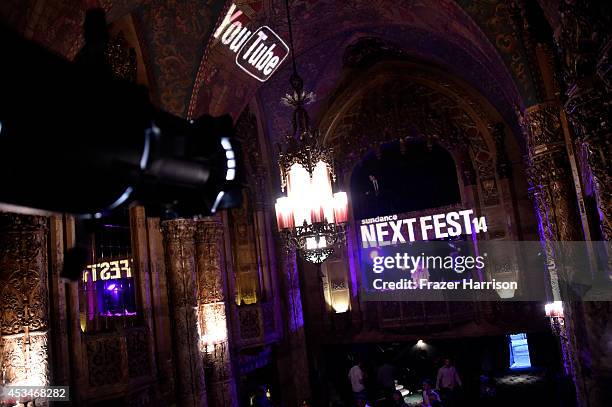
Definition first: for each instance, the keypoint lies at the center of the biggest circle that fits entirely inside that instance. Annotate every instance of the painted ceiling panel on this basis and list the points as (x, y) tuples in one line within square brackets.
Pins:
[(192, 74), (476, 43)]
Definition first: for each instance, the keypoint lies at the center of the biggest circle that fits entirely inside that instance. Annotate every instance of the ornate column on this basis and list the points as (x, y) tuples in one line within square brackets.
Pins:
[(24, 296), (212, 313), (144, 297), (590, 110), (292, 355), (550, 174), (584, 42), (59, 311), (181, 274), (551, 188), (161, 310)]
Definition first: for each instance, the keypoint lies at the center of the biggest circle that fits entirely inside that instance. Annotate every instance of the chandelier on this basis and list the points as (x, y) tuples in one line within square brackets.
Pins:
[(311, 218)]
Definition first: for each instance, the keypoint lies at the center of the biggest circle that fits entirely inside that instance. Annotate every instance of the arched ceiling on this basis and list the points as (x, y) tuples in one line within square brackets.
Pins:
[(475, 40), (403, 100)]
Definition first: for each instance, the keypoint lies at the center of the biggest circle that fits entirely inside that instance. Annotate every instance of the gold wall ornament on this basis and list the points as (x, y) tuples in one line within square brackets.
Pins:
[(208, 239), (543, 127), (24, 293), (212, 318), (549, 171), (182, 292), (25, 359), (555, 200), (241, 224)]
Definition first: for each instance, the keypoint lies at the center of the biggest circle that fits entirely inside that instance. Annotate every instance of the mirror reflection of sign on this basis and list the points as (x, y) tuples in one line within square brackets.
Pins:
[(108, 270), (258, 53)]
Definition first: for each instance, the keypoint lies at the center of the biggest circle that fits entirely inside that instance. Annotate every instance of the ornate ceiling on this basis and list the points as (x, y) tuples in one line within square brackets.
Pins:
[(477, 41)]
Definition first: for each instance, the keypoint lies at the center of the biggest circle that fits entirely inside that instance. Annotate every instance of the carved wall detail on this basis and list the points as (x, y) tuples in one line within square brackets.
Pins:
[(214, 339), (24, 292), (256, 323), (210, 282), (246, 262), (554, 196), (549, 172), (255, 170), (114, 358), (544, 127), (250, 322), (590, 110), (23, 264), (104, 360), (137, 341), (583, 38), (182, 284), (25, 359)]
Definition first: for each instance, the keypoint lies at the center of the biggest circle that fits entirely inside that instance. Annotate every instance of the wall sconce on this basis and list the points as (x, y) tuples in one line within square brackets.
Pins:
[(340, 306), (554, 311), (213, 326)]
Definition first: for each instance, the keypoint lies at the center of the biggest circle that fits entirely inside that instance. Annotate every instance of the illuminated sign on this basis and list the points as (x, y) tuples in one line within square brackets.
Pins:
[(391, 230), (258, 53), (108, 270)]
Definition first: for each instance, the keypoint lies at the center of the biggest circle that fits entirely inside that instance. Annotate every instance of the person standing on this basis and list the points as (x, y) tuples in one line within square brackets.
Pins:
[(430, 396), (375, 190), (357, 376), (448, 382), (397, 400), (386, 380)]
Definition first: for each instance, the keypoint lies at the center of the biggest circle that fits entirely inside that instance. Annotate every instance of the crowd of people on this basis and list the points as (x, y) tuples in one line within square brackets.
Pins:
[(443, 393)]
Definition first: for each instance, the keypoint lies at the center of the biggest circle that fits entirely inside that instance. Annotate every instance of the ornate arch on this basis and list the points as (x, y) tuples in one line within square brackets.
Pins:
[(402, 101)]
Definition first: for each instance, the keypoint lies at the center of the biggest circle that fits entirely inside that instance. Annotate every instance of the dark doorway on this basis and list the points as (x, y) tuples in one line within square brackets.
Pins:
[(418, 178)]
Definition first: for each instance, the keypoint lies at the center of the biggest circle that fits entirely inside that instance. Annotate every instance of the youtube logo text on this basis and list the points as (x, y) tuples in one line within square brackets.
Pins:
[(259, 53)]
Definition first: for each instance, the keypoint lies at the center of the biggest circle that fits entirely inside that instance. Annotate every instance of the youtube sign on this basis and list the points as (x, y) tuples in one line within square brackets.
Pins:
[(258, 53), (262, 53)]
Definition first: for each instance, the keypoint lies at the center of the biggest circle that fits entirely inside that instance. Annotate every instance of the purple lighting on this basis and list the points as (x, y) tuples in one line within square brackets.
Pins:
[(118, 314), (116, 297)]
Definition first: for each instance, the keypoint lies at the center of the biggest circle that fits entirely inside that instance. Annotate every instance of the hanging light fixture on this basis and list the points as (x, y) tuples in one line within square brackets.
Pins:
[(311, 218)]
